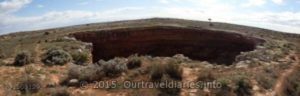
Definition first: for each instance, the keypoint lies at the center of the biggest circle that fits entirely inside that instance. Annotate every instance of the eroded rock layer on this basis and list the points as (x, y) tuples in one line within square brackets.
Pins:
[(199, 44)]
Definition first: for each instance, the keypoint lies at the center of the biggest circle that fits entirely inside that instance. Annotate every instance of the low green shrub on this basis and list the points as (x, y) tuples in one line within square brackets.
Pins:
[(80, 58)]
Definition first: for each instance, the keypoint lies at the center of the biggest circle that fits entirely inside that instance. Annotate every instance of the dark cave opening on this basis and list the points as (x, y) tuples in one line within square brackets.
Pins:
[(198, 44)]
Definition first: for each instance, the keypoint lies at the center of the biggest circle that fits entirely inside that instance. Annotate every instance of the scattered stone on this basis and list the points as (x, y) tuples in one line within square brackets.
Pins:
[(247, 61), (266, 63), (79, 50), (255, 60), (143, 71), (282, 60), (241, 64), (209, 66), (260, 47), (73, 82), (42, 76), (275, 63), (181, 57), (69, 38)]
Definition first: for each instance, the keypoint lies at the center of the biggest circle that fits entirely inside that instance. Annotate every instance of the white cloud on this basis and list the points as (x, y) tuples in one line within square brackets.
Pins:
[(283, 18), (83, 3), (281, 21), (164, 1), (87, 2), (220, 12), (278, 1), (208, 6), (251, 3), (276, 21), (11, 23), (9, 6), (40, 6)]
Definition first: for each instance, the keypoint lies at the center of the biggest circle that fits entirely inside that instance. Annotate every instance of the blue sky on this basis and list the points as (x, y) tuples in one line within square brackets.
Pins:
[(23, 15)]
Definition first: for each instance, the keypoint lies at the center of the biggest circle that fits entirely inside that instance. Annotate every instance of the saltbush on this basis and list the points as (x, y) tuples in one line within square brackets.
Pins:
[(113, 67), (80, 58), (156, 72), (88, 73), (29, 86), (206, 76), (56, 57), (22, 58), (174, 70), (61, 91), (243, 88), (134, 62)]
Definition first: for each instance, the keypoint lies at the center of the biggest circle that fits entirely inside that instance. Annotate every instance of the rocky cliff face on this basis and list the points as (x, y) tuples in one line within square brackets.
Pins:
[(199, 44)]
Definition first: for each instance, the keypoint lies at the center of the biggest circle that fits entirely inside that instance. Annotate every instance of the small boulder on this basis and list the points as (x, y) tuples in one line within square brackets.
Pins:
[(73, 82)]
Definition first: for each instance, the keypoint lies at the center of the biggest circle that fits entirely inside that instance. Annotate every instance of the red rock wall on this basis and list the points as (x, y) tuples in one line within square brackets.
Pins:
[(199, 44)]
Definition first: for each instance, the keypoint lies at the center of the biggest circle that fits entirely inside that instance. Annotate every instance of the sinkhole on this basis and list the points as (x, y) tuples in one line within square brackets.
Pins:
[(214, 46)]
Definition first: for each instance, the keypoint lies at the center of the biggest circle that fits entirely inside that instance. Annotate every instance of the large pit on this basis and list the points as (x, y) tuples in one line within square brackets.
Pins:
[(198, 44)]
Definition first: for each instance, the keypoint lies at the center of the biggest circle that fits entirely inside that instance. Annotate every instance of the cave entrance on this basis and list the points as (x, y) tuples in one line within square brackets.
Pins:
[(198, 44)]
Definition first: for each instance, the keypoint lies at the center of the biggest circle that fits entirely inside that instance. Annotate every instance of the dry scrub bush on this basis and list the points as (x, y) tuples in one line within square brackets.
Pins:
[(267, 78), (93, 72), (174, 70), (225, 89), (2, 56), (56, 57), (113, 67), (134, 62), (243, 87), (62, 91), (206, 76), (29, 86), (157, 71), (265, 82), (291, 84), (170, 91), (80, 57), (88, 73), (22, 59)]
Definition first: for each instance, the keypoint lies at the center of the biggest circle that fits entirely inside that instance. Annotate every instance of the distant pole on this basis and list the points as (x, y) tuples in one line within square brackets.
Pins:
[(210, 23)]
